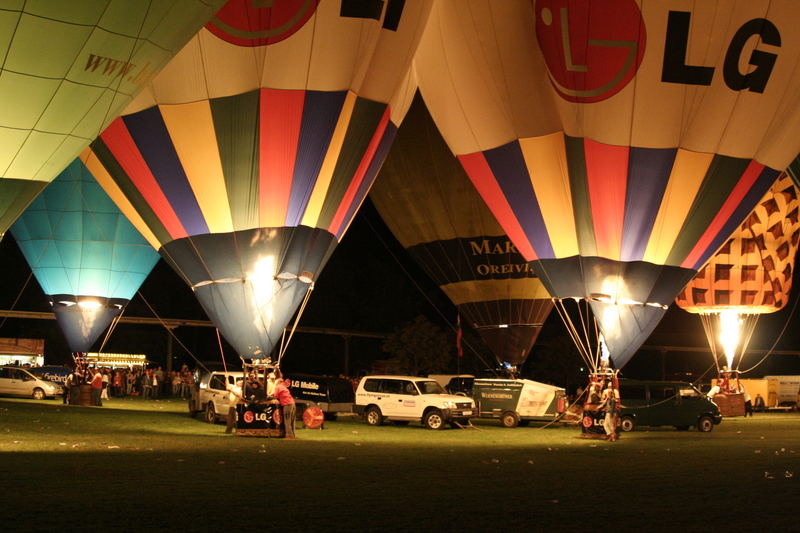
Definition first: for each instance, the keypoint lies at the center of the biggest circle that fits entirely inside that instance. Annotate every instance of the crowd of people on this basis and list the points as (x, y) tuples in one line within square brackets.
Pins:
[(148, 383)]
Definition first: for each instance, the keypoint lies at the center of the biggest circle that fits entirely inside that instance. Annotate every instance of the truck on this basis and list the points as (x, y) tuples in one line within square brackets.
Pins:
[(332, 395)]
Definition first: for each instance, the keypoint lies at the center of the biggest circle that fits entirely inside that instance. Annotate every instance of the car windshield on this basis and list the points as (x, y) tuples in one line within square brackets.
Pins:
[(429, 387)]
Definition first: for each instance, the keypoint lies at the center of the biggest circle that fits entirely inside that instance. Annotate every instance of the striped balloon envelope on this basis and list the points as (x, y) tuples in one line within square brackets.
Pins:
[(751, 274), (426, 199), (87, 257), (66, 71), (619, 143), (245, 160)]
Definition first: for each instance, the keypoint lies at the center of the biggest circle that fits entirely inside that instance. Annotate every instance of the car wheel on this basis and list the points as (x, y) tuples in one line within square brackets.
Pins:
[(373, 416), (627, 423), (210, 414), (434, 419), (38, 394), (705, 424), (509, 419)]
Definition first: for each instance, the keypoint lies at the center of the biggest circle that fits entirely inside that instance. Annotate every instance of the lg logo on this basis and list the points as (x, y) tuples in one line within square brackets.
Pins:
[(594, 49)]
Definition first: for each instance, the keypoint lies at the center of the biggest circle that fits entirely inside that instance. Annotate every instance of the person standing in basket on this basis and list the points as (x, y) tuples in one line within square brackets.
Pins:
[(286, 400)]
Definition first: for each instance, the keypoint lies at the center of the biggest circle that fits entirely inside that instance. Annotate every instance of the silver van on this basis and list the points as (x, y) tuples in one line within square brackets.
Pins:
[(16, 381)]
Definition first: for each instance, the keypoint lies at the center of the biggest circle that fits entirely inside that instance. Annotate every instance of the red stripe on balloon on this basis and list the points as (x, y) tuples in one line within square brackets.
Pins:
[(349, 195), (749, 177), (607, 178), (481, 175), (119, 141), (281, 116)]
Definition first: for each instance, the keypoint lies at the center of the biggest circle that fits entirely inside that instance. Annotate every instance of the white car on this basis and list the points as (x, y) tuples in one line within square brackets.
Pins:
[(211, 397), (403, 399), (16, 381)]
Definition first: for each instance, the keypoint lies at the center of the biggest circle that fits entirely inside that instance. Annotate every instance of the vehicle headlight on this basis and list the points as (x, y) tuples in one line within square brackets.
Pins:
[(449, 405)]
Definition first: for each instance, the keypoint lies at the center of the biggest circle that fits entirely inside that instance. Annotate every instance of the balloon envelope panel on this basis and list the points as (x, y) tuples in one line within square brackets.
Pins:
[(87, 257), (67, 70), (752, 272), (427, 201)]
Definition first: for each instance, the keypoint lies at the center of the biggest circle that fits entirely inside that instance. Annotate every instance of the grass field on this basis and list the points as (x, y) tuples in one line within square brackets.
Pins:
[(136, 466)]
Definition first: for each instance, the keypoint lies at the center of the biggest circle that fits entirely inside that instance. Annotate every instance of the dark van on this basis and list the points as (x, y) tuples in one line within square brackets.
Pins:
[(665, 403), (331, 394)]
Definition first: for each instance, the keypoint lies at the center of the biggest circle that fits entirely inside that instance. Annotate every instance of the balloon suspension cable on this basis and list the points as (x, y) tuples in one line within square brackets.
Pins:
[(424, 294), (221, 351), (285, 345), (111, 328), (172, 334), (749, 322), (582, 344), (707, 319)]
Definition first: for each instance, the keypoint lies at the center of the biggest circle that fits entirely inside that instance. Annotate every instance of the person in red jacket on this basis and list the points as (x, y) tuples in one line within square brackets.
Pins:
[(97, 387), (286, 400)]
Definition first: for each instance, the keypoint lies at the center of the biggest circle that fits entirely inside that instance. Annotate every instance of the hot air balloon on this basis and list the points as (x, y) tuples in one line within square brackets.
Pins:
[(87, 257), (66, 70), (619, 144), (425, 198), (749, 276), (245, 160)]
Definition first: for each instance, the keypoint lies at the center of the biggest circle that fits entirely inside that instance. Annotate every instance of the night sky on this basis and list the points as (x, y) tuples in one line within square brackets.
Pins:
[(370, 284)]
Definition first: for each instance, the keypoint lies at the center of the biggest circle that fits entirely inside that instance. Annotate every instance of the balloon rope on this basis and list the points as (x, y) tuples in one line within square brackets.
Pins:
[(169, 330), (749, 322), (110, 330), (706, 319), (424, 294), (573, 332), (19, 295), (284, 346), (785, 325), (221, 352)]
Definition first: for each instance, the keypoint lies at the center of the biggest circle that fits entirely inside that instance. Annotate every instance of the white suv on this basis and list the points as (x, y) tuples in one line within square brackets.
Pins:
[(211, 397), (406, 398)]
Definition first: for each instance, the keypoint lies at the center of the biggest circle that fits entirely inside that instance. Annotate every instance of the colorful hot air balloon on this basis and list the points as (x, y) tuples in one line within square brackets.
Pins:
[(67, 69), (425, 198), (245, 160), (87, 257), (618, 143), (749, 276)]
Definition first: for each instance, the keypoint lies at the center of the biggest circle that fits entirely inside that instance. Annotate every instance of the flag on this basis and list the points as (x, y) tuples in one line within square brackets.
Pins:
[(458, 337)]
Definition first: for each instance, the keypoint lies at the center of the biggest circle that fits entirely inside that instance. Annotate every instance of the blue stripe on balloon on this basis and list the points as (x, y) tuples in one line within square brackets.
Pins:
[(508, 163), (648, 174), (152, 138), (746, 206), (321, 111), (381, 152)]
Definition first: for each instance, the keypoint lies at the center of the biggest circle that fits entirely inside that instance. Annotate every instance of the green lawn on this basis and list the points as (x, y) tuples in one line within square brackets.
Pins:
[(134, 465)]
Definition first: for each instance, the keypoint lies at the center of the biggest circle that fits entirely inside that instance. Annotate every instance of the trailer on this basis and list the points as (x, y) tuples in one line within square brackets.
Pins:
[(516, 402), (786, 391)]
